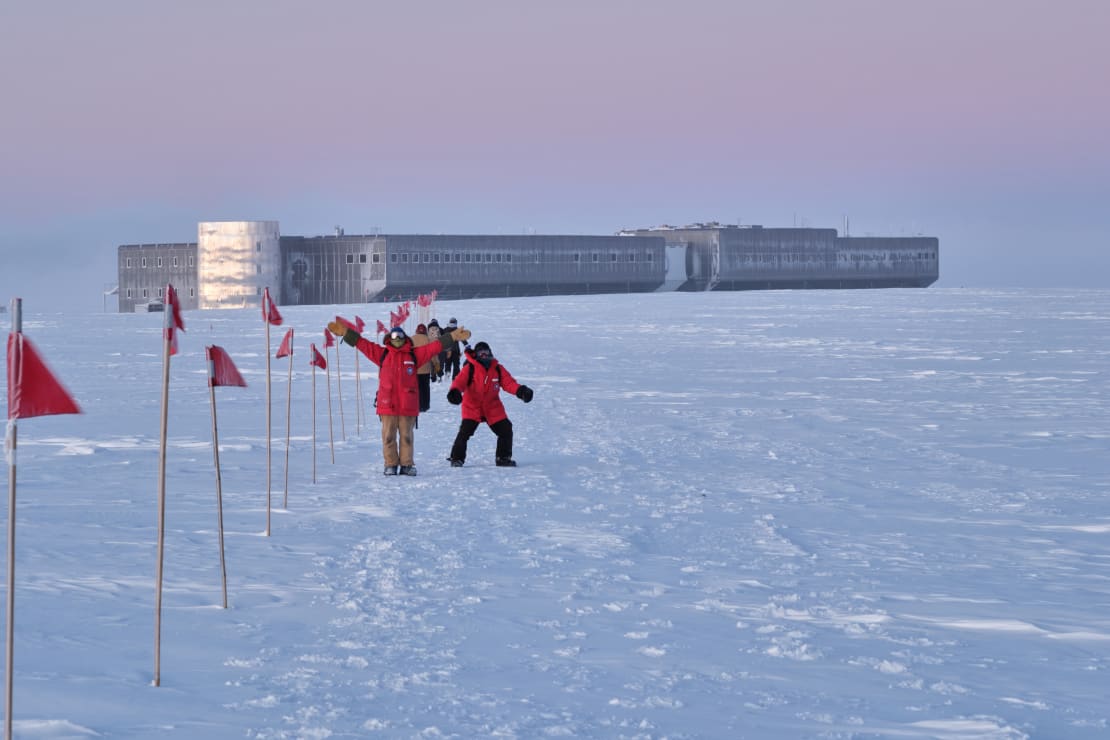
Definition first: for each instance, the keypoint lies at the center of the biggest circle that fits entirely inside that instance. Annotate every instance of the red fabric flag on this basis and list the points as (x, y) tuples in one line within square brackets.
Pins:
[(270, 312), (221, 370), (286, 347), (32, 388), (329, 340), (359, 324), (395, 320), (350, 325), (318, 359), (381, 327), (174, 306)]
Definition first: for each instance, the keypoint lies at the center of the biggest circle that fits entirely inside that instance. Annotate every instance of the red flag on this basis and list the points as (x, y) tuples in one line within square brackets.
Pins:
[(318, 359), (359, 324), (286, 347), (32, 388), (176, 321), (329, 340), (381, 327), (348, 324), (395, 320), (270, 312), (221, 370)]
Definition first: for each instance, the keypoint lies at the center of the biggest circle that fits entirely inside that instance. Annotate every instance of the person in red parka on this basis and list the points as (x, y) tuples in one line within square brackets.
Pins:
[(478, 389), (398, 395)]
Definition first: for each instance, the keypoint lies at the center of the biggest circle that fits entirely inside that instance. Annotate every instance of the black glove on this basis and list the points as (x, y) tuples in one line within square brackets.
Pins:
[(454, 396), (524, 393)]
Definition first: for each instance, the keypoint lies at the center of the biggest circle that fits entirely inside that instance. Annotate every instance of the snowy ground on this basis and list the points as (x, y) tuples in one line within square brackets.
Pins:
[(797, 514)]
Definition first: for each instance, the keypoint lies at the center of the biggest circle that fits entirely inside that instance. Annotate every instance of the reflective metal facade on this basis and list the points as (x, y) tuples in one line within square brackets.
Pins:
[(236, 260)]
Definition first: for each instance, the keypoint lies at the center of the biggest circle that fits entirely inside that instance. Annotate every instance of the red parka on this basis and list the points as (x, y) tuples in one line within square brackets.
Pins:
[(398, 394), (482, 392)]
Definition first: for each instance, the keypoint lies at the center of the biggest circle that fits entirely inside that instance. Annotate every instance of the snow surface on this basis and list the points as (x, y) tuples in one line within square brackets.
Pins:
[(807, 514)]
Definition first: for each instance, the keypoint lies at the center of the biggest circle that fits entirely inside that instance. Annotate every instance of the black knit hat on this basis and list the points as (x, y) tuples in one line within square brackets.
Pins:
[(482, 346)]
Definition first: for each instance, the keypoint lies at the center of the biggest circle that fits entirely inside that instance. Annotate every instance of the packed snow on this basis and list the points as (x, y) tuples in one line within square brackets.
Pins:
[(795, 514)]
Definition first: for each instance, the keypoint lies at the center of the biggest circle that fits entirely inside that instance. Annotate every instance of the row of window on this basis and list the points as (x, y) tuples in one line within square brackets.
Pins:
[(146, 293), (489, 257), (143, 262)]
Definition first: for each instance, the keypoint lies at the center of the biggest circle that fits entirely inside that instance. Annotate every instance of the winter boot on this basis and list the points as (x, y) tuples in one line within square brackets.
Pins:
[(455, 463), (506, 462), (408, 470), (390, 470)]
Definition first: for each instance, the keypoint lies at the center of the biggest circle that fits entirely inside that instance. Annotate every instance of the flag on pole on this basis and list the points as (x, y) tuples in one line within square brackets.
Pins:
[(32, 389), (270, 312), (329, 340), (176, 321), (318, 359), (286, 347), (222, 370), (349, 324), (381, 327), (359, 324)]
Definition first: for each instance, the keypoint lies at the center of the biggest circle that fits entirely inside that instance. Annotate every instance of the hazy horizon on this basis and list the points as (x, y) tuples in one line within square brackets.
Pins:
[(979, 124)]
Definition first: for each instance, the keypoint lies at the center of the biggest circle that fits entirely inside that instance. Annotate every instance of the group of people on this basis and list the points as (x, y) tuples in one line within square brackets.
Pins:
[(407, 366)]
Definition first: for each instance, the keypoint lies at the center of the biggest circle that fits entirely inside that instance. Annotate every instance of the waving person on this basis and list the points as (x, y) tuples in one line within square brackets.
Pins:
[(398, 393)]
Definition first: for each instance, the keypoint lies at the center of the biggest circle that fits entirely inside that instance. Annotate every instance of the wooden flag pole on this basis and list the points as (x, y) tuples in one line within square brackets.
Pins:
[(288, 422), (265, 318), (339, 391), (313, 350), (9, 449), (219, 485), (167, 328), (358, 398), (331, 427)]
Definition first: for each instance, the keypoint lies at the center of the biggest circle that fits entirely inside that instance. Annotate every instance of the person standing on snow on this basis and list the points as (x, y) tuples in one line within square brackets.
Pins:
[(425, 371), (398, 396), (434, 333), (451, 359), (478, 389)]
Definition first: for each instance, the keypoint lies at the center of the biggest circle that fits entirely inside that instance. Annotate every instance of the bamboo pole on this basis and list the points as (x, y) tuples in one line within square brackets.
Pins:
[(358, 398), (331, 427), (339, 392), (219, 484), (9, 638), (288, 422), (266, 319), (167, 326), (313, 350)]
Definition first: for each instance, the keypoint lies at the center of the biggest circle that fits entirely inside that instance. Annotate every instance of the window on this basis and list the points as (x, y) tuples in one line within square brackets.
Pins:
[(405, 257), (159, 261), (595, 257), (175, 261), (393, 258), (144, 293), (631, 256), (129, 262), (190, 261), (468, 256), (427, 257), (576, 256), (458, 257), (362, 259), (508, 258), (651, 256), (435, 258), (489, 257), (144, 261), (350, 259), (258, 246), (376, 258), (612, 256), (497, 258), (192, 292), (129, 292), (159, 292)]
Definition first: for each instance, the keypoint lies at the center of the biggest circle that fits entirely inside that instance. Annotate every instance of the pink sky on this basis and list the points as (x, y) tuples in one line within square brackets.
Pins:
[(982, 122)]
